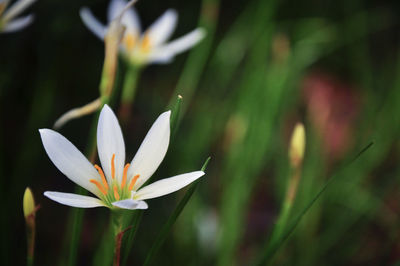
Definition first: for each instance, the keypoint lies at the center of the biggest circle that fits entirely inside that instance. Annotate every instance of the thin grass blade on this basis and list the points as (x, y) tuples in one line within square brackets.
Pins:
[(273, 247), (171, 220)]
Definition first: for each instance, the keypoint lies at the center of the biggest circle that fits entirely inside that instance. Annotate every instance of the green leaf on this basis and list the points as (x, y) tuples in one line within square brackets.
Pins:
[(162, 235)]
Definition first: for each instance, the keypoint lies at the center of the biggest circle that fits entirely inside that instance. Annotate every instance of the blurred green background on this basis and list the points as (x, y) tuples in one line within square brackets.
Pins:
[(265, 65)]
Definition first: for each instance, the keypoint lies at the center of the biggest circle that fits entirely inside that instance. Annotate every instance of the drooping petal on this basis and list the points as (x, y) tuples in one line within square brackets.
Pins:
[(74, 200), (110, 141), (69, 160), (152, 150), (92, 23), (167, 185), (130, 204), (130, 19), (162, 29), (16, 9), (165, 53), (18, 23)]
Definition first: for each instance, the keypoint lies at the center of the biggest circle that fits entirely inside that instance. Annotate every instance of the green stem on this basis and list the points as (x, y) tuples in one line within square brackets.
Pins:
[(128, 92), (30, 236), (117, 224), (286, 205)]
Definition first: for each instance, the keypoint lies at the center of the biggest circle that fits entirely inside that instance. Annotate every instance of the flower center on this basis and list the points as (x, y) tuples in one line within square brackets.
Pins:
[(145, 44), (114, 191), (129, 41)]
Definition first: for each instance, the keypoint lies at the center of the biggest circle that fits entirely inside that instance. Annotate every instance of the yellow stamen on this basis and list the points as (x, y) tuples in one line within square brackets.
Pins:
[(103, 178), (133, 181), (116, 195), (99, 186), (124, 176), (113, 166), (146, 43), (130, 41)]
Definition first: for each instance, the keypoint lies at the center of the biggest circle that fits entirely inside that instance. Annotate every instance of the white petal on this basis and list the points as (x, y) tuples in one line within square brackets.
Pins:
[(92, 23), (152, 150), (130, 18), (169, 50), (167, 185), (69, 160), (74, 200), (18, 24), (16, 9), (162, 29), (160, 57), (130, 204), (110, 141)]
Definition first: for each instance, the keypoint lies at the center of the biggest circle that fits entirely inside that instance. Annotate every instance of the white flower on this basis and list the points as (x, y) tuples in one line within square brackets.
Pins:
[(118, 186), (8, 22), (148, 47)]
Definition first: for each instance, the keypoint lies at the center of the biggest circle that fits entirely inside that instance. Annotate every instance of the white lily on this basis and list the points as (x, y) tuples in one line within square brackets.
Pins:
[(118, 186), (148, 47), (8, 22)]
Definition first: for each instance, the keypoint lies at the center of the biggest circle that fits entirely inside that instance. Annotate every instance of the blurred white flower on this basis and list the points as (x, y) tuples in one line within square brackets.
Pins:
[(147, 47), (8, 20), (118, 186)]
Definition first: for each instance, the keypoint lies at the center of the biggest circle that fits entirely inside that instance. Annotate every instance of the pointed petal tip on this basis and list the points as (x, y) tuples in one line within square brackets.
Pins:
[(44, 131), (106, 108)]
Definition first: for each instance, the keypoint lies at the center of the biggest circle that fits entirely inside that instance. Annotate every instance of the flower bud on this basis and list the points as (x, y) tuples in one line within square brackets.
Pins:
[(297, 145), (29, 203)]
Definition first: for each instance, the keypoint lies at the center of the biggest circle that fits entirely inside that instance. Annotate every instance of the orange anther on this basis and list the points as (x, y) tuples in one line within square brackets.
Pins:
[(99, 186), (116, 195), (124, 176), (146, 44), (103, 178), (133, 181), (113, 166), (130, 41)]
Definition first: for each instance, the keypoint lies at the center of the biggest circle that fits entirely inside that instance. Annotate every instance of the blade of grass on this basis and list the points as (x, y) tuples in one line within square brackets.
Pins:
[(175, 115), (162, 235), (273, 247), (195, 64)]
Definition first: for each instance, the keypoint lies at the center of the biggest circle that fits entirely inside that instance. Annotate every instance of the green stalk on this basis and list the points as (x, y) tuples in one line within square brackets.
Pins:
[(128, 92), (117, 225), (30, 236), (286, 206), (135, 221), (272, 248)]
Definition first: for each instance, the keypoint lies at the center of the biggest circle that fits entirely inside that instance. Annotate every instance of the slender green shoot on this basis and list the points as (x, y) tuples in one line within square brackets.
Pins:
[(273, 247)]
